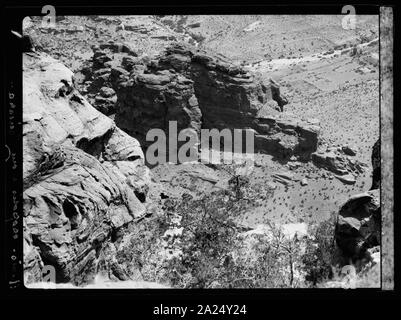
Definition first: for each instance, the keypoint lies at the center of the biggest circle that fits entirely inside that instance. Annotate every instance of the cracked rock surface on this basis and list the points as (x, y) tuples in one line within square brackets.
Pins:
[(82, 176)]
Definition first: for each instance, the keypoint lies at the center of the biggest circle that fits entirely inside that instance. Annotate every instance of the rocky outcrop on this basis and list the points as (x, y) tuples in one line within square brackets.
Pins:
[(150, 101), (284, 136), (198, 90), (84, 178), (358, 225), (228, 96), (358, 228), (340, 161), (97, 79)]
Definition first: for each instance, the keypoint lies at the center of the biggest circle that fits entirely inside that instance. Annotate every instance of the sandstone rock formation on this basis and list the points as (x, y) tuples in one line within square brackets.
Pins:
[(84, 178), (228, 95), (339, 160), (97, 80), (150, 101), (198, 90)]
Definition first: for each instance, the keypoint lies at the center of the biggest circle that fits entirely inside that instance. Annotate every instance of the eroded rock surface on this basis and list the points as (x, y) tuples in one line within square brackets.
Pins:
[(198, 90), (340, 160), (84, 178), (358, 227)]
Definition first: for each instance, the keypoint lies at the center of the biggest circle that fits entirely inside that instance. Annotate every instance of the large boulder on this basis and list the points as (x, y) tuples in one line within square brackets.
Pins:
[(338, 161), (84, 178), (358, 226)]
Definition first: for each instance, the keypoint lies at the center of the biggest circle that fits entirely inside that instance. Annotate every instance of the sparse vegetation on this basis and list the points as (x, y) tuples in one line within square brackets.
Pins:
[(217, 253)]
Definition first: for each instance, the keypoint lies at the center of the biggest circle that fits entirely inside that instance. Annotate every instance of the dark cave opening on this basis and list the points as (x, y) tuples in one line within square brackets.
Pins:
[(141, 196), (71, 213)]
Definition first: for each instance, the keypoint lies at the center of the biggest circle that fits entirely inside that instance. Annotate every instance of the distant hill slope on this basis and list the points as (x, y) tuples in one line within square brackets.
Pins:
[(248, 38), (255, 37)]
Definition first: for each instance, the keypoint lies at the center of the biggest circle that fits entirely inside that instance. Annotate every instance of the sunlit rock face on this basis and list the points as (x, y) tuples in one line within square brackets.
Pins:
[(82, 176)]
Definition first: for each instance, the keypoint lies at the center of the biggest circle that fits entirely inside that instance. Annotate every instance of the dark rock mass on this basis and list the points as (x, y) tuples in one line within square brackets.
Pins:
[(376, 165), (340, 161), (198, 90), (359, 219), (358, 225)]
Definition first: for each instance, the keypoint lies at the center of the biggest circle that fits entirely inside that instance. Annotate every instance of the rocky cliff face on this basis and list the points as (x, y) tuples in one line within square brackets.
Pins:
[(84, 178), (198, 90), (228, 95)]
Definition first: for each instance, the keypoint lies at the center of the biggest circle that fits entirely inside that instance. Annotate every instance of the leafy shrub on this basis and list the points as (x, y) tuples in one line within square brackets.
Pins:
[(217, 253)]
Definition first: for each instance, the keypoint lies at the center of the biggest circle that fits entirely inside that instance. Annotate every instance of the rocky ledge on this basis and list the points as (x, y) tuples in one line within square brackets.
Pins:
[(340, 161)]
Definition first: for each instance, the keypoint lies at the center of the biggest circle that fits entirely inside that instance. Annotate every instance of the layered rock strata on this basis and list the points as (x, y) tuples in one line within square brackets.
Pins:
[(84, 178), (341, 162), (198, 90)]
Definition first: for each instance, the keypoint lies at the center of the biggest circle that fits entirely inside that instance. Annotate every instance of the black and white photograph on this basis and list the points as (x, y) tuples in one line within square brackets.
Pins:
[(206, 151)]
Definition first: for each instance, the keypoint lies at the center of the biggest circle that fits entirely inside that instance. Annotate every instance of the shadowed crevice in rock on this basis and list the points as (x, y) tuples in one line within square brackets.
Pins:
[(72, 213), (376, 159), (277, 96), (95, 146), (141, 196)]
